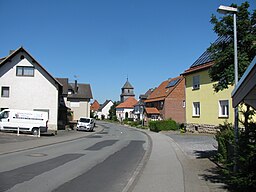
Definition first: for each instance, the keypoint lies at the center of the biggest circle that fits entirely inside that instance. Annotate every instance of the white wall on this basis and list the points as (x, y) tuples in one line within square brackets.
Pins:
[(79, 108), (120, 113), (105, 110), (29, 93)]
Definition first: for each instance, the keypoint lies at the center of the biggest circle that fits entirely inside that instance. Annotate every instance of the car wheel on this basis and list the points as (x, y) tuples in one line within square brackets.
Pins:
[(35, 131)]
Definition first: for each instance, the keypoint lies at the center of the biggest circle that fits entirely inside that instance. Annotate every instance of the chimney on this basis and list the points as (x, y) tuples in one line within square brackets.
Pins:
[(76, 88), (11, 51)]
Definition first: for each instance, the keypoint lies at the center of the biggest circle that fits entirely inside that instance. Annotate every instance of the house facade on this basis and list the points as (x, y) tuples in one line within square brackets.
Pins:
[(205, 109), (24, 84), (94, 108), (125, 110), (169, 99), (139, 108), (103, 111), (151, 114), (77, 98)]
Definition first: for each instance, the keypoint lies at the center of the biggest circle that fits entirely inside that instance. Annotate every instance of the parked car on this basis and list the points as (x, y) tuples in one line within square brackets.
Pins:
[(85, 124)]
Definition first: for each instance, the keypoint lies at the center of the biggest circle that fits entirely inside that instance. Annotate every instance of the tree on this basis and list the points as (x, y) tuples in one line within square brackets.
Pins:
[(222, 52), (112, 111)]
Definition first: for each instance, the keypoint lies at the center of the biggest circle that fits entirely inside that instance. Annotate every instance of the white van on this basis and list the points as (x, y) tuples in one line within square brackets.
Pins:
[(27, 121)]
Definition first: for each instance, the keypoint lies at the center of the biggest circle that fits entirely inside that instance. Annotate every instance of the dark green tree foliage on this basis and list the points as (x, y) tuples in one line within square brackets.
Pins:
[(112, 111), (244, 178), (222, 71)]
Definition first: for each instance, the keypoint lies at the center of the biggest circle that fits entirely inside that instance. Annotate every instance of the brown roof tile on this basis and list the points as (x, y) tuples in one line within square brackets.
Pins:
[(152, 110), (128, 103), (198, 68), (95, 106), (162, 91)]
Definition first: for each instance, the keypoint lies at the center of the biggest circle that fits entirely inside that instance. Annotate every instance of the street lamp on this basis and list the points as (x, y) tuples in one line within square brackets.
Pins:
[(224, 10)]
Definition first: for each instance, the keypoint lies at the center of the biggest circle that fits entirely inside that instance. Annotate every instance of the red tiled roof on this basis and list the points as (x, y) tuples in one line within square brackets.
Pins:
[(152, 110), (95, 106), (198, 68), (128, 103), (162, 91)]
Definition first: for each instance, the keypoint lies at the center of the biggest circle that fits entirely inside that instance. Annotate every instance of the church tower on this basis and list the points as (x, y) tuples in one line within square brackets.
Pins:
[(127, 91)]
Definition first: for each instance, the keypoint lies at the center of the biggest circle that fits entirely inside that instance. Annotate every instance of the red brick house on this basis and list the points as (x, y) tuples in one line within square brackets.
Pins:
[(169, 99)]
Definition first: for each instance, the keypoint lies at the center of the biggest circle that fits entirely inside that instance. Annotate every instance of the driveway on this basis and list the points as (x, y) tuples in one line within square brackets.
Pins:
[(195, 145)]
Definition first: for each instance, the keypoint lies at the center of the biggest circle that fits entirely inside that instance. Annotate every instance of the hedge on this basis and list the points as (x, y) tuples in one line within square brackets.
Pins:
[(164, 125)]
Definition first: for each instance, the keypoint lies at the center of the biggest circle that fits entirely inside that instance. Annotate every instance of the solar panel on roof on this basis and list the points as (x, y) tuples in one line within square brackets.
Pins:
[(204, 58), (173, 83), (207, 56)]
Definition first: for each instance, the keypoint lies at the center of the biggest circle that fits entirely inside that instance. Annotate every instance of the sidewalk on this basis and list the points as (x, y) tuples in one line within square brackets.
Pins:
[(170, 170), (163, 171), (62, 136)]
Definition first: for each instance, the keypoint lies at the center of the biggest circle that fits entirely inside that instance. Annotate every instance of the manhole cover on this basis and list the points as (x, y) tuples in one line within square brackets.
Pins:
[(37, 155)]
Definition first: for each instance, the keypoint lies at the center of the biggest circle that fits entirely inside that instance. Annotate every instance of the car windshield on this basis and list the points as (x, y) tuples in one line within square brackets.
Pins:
[(84, 120), (4, 114)]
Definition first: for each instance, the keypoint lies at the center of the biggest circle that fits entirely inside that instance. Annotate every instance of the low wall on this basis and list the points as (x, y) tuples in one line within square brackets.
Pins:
[(201, 128)]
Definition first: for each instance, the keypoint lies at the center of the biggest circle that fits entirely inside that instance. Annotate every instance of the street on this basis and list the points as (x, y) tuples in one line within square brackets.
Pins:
[(113, 158), (105, 161)]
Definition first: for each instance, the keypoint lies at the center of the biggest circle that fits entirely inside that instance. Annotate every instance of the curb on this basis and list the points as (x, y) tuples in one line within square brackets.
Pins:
[(138, 171)]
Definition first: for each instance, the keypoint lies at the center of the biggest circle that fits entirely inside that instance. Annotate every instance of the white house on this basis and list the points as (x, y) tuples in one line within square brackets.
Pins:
[(103, 111), (25, 84), (125, 110)]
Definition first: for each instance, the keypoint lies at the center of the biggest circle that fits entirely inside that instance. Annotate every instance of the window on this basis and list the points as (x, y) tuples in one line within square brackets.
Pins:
[(183, 103), (5, 92), (4, 115), (196, 82), (196, 108), (223, 108), (25, 71)]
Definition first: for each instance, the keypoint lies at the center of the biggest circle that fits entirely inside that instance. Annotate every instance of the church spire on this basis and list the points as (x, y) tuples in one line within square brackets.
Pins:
[(127, 91)]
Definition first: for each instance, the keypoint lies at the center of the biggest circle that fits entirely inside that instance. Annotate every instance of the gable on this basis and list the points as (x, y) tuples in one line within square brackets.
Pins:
[(164, 89), (20, 58)]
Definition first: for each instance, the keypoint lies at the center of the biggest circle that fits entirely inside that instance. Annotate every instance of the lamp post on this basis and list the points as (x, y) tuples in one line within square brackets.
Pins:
[(224, 10)]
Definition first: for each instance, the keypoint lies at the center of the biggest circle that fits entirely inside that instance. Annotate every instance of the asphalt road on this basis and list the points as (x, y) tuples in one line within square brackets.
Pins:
[(104, 161)]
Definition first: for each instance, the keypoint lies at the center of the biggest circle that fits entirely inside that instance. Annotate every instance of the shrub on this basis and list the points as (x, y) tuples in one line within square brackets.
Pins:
[(164, 125), (225, 138), (244, 177)]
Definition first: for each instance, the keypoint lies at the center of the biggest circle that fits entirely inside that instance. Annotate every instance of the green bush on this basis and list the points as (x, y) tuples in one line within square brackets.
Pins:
[(132, 123), (164, 125), (225, 138), (244, 177)]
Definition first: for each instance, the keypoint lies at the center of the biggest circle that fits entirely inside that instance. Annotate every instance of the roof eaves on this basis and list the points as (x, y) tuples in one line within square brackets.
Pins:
[(23, 49), (197, 68)]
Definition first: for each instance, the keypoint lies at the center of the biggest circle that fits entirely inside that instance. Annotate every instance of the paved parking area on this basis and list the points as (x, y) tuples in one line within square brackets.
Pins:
[(199, 149), (195, 145), (11, 137)]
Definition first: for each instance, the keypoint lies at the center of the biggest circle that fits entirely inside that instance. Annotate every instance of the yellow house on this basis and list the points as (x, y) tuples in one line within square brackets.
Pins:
[(205, 109)]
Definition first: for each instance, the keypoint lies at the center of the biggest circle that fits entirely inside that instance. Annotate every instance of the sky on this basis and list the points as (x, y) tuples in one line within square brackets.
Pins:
[(104, 42)]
